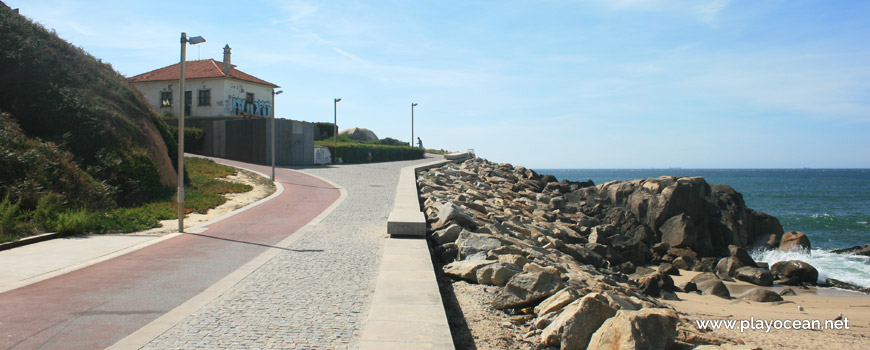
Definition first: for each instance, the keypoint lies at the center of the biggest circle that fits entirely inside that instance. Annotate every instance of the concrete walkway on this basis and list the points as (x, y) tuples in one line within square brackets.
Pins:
[(316, 300), (98, 305)]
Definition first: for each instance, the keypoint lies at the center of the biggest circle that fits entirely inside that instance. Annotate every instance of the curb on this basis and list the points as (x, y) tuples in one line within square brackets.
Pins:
[(30, 240)]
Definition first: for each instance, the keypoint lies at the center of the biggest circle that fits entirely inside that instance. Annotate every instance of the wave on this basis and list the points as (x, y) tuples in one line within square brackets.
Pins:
[(854, 269)]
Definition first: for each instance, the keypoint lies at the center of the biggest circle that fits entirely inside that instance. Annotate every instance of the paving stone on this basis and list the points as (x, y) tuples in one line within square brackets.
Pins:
[(315, 294)]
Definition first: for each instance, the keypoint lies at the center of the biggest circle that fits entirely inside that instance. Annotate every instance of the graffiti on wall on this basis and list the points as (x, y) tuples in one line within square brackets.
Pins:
[(238, 105)]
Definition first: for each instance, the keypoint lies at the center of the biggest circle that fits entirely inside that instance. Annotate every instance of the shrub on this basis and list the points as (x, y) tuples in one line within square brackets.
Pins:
[(366, 152), (47, 210), (74, 222), (389, 141), (60, 94), (324, 131), (9, 223), (192, 137), (29, 168)]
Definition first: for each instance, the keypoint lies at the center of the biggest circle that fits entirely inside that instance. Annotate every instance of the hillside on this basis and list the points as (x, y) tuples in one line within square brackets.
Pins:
[(69, 104)]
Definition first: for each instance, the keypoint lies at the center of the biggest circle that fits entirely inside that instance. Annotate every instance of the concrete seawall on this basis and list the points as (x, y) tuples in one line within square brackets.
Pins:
[(407, 311)]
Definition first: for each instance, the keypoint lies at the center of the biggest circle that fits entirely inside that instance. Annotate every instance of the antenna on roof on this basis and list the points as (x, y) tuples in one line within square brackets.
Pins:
[(197, 53)]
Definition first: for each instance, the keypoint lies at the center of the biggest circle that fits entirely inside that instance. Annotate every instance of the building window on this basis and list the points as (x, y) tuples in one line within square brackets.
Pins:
[(187, 99), (166, 99), (249, 99), (204, 97)]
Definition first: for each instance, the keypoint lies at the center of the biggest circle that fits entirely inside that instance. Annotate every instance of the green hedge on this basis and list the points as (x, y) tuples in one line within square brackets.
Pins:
[(366, 153), (324, 131), (192, 137)]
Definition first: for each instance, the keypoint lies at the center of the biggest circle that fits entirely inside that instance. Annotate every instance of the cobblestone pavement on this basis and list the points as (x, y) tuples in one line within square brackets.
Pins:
[(316, 294)]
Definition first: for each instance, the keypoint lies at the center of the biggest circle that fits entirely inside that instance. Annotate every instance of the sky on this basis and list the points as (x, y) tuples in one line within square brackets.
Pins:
[(543, 84)]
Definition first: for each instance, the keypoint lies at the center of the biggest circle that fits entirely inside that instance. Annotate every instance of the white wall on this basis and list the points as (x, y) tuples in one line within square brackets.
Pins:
[(235, 92), (227, 95)]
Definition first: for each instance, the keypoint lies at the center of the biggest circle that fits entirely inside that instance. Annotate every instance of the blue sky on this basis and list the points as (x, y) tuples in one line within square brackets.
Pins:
[(544, 84)]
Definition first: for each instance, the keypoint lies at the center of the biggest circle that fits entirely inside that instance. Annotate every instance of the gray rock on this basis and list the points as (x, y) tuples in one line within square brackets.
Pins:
[(754, 275), (643, 329), (471, 243), (527, 288), (856, 250), (465, 269), (714, 287), (361, 134), (762, 295), (679, 231), (448, 234), (496, 274), (701, 277), (793, 272), (450, 212), (573, 328)]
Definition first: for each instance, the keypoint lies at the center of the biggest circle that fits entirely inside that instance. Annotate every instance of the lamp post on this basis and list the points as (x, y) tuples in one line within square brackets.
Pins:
[(193, 41), (273, 130), (335, 129), (412, 123)]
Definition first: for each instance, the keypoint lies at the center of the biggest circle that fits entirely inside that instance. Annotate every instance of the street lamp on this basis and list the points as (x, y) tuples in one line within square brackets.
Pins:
[(412, 123), (335, 130), (193, 41), (273, 130)]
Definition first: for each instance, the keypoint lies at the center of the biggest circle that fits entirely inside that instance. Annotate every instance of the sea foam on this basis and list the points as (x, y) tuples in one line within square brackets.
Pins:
[(854, 269)]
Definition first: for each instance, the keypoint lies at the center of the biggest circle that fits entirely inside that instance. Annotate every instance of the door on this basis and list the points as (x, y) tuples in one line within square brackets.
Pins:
[(187, 100)]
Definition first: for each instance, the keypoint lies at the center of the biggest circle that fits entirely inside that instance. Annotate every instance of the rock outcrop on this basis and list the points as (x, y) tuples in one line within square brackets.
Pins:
[(856, 250), (573, 253), (361, 134), (793, 272)]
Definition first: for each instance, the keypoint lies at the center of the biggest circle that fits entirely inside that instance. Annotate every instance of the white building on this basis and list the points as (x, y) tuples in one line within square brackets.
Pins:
[(214, 90)]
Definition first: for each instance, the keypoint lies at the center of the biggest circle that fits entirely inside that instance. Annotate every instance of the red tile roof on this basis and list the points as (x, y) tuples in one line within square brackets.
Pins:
[(197, 69)]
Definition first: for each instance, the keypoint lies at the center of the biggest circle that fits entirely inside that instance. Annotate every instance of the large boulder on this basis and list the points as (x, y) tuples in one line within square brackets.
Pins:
[(728, 266), (448, 234), (741, 254), (471, 244), (754, 275), (465, 269), (714, 287), (653, 284), (642, 329), (794, 240), (679, 231), (793, 272), (450, 212), (573, 328), (525, 289), (701, 277), (497, 274), (762, 295), (556, 301), (361, 134)]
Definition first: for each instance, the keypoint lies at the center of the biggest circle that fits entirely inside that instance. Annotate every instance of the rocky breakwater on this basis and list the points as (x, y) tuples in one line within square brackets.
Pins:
[(571, 256)]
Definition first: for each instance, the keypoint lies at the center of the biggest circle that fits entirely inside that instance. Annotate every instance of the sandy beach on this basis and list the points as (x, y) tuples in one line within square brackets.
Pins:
[(818, 304)]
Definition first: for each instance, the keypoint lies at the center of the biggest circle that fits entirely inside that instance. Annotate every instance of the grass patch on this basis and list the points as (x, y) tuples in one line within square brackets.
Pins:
[(203, 192)]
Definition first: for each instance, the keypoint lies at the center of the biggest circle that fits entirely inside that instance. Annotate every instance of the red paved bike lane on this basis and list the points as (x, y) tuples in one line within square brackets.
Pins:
[(94, 307)]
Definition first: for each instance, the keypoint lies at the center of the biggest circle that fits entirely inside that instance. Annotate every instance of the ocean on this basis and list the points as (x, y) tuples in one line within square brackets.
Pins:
[(831, 206)]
